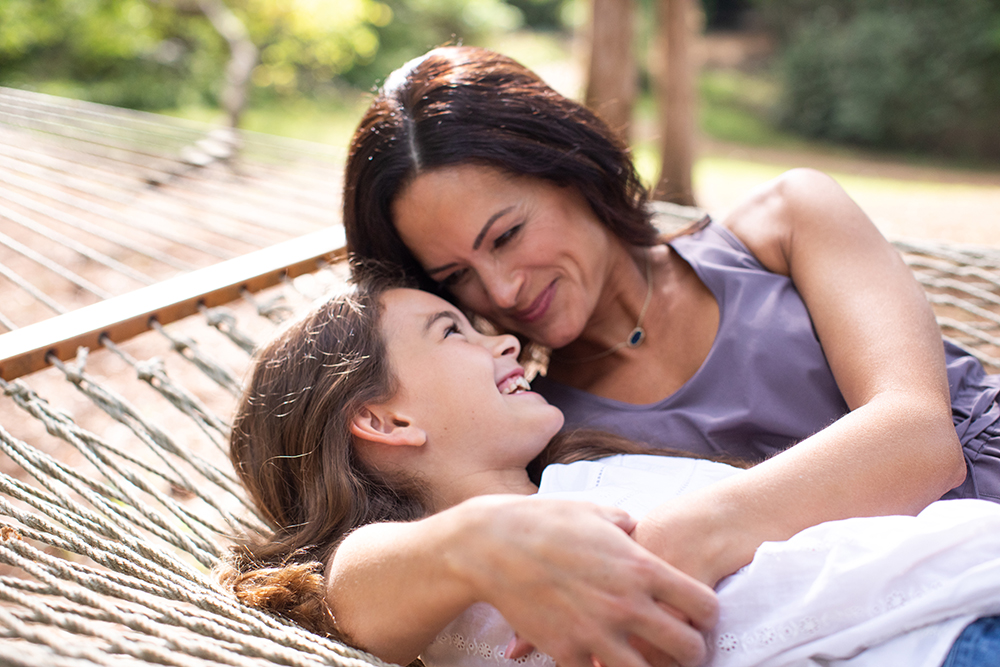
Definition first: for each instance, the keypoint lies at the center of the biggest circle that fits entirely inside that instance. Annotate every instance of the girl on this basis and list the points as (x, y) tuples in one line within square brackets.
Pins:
[(387, 409)]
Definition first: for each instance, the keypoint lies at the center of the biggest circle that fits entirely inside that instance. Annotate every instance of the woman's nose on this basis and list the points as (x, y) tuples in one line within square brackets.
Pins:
[(502, 288)]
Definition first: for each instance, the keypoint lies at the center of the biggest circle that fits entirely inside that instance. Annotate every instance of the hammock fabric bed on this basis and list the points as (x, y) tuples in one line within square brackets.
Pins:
[(116, 495)]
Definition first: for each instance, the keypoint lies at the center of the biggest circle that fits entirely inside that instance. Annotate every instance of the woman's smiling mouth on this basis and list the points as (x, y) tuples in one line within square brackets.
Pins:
[(538, 307)]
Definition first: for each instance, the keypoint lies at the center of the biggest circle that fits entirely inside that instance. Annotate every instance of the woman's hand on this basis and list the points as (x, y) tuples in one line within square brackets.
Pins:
[(571, 581), (565, 575)]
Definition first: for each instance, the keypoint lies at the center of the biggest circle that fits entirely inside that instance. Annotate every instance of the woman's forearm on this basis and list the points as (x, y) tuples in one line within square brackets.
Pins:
[(893, 455)]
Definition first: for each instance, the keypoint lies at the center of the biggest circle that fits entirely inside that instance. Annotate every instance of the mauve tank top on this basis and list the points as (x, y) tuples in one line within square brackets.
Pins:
[(765, 383)]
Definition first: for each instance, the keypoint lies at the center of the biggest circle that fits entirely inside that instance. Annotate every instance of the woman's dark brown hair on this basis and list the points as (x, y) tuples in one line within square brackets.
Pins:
[(465, 105)]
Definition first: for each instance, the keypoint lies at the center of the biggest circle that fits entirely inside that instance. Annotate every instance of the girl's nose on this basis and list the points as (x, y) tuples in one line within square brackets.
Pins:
[(505, 345)]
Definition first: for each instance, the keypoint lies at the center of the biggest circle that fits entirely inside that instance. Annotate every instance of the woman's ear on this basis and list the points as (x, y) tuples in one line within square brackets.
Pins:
[(381, 425)]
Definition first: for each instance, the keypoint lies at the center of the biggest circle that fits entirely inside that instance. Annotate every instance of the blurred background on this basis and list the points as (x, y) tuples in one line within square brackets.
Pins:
[(899, 100)]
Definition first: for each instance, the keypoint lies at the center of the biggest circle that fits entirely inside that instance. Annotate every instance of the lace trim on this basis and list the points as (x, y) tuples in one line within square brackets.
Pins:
[(455, 643), (804, 628)]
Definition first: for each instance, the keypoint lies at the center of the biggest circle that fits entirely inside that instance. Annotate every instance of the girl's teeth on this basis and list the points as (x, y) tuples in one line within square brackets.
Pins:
[(514, 385)]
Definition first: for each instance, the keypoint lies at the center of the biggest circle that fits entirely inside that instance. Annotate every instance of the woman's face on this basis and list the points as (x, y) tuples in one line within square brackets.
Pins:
[(463, 388), (528, 255)]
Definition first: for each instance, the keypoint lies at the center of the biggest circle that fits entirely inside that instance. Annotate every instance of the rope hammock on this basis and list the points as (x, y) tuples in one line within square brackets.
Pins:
[(116, 495), (97, 201), (107, 537)]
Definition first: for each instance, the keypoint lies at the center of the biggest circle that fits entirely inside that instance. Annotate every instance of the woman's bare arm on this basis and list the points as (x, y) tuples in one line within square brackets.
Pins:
[(565, 575), (896, 450)]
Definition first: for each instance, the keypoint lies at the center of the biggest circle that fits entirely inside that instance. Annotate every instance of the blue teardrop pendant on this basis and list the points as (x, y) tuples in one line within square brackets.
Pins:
[(636, 337)]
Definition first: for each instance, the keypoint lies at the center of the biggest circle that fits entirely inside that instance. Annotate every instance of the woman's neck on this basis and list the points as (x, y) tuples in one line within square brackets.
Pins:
[(626, 297)]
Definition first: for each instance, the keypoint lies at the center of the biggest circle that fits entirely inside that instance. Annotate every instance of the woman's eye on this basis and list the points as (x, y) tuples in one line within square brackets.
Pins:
[(454, 278), (452, 329), (507, 236)]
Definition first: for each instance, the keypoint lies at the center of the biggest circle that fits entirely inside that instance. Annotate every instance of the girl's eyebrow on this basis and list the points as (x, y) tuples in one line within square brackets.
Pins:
[(444, 314)]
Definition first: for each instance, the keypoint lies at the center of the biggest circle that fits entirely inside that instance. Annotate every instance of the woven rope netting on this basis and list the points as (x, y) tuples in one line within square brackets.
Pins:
[(963, 286), (111, 521), (97, 201)]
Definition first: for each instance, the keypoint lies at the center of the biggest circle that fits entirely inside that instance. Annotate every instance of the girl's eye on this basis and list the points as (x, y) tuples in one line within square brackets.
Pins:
[(507, 236), (454, 278), (452, 329)]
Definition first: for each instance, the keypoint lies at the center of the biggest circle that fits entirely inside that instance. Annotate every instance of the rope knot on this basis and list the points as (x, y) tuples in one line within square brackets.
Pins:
[(149, 369), (274, 308), (217, 317), (74, 371), (180, 344), (16, 389)]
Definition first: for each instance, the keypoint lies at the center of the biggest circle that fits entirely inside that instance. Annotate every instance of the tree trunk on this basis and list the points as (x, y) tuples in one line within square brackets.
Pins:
[(612, 72), (673, 69), (242, 56)]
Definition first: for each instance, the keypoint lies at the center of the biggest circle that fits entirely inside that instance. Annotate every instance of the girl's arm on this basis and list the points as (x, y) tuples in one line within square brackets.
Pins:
[(565, 575), (896, 450)]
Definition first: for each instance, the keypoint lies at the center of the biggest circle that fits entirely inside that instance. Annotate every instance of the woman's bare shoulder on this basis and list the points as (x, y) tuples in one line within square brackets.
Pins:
[(768, 217)]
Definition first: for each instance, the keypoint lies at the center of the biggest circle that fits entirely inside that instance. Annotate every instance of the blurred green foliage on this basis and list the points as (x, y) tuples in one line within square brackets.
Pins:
[(738, 106), (126, 52), (915, 75), (163, 54)]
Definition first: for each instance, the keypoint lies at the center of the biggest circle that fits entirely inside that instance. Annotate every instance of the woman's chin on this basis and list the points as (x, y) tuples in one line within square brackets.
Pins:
[(551, 332), (553, 337), (556, 423)]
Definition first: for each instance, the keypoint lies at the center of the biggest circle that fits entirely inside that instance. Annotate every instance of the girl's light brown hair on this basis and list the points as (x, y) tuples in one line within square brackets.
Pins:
[(292, 448)]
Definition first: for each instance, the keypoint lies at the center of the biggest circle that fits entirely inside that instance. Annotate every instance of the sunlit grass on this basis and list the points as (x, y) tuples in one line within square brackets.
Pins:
[(327, 122), (332, 120), (741, 107)]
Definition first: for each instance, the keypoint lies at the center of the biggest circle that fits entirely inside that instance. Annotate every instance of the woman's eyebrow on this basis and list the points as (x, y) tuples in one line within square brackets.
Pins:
[(477, 242), (489, 223)]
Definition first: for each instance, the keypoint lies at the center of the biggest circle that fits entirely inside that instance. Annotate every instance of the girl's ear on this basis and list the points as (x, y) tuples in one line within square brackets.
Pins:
[(381, 425)]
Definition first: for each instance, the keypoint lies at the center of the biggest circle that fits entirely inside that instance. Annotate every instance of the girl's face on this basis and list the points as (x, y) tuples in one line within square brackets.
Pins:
[(464, 389), (528, 255)]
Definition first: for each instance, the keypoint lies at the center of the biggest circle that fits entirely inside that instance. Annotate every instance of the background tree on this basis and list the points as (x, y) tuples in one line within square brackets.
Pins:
[(922, 75), (163, 54), (673, 74), (612, 71), (612, 75)]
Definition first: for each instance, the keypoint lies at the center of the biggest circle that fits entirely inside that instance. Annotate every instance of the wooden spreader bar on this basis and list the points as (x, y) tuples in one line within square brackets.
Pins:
[(26, 350)]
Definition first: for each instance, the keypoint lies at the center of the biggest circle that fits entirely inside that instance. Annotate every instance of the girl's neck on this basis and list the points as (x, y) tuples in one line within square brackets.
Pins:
[(486, 483)]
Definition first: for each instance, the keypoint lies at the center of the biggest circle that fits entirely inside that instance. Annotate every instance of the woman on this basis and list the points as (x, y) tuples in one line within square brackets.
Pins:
[(391, 406), (791, 322)]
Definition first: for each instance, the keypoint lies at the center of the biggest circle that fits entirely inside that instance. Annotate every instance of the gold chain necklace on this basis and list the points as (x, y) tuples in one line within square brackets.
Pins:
[(635, 337)]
